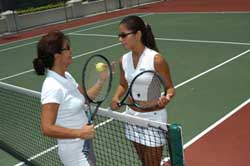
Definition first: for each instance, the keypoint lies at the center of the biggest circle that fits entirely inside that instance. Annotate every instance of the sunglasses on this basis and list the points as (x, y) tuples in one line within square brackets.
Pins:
[(123, 35), (66, 49)]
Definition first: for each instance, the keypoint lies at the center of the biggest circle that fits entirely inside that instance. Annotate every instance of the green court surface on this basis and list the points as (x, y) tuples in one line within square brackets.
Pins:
[(6, 159), (208, 55)]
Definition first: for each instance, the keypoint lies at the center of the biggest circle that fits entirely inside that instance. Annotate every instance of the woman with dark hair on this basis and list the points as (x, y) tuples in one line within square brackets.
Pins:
[(63, 116), (143, 54)]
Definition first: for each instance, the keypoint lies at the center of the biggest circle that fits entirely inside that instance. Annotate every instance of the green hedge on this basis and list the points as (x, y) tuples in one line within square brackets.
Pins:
[(32, 9), (41, 8)]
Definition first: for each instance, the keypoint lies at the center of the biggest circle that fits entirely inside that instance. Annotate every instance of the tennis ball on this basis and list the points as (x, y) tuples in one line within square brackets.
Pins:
[(100, 67)]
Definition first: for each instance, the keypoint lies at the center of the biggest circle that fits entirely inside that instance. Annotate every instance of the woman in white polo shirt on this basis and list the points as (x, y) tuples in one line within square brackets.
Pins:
[(143, 54), (62, 101)]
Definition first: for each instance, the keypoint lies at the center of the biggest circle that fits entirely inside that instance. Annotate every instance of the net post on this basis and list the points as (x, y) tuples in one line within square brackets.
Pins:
[(176, 145)]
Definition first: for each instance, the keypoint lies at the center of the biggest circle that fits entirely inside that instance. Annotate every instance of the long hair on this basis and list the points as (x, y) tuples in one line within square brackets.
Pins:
[(135, 23), (47, 47)]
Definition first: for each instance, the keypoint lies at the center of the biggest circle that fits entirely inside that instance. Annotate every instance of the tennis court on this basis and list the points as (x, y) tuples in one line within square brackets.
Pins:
[(208, 54)]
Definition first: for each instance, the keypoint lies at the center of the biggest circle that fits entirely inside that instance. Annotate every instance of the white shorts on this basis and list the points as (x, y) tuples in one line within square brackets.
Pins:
[(71, 153), (149, 136)]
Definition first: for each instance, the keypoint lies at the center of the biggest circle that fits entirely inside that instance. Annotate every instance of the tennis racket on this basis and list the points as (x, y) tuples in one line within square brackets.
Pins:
[(96, 94), (145, 90), (96, 84)]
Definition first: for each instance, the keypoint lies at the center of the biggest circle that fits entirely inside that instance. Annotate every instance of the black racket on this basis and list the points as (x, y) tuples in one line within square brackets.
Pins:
[(96, 90), (145, 90)]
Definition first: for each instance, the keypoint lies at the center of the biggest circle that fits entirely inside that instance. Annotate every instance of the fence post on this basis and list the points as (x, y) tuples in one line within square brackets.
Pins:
[(76, 8), (106, 7), (12, 20), (65, 10)]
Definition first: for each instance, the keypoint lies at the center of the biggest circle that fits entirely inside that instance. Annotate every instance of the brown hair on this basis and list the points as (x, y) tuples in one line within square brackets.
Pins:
[(135, 23), (47, 47)]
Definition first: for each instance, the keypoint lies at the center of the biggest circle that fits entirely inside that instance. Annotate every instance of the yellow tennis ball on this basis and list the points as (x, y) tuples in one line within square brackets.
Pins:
[(100, 67)]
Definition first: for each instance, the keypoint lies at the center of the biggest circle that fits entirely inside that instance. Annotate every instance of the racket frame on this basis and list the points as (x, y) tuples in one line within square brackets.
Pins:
[(129, 91), (91, 114)]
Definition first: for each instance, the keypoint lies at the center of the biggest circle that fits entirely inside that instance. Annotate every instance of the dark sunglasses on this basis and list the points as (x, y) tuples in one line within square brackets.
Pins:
[(123, 35), (65, 49)]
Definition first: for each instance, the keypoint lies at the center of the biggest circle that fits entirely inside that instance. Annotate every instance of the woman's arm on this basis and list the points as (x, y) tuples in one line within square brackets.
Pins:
[(122, 87), (49, 128), (161, 66)]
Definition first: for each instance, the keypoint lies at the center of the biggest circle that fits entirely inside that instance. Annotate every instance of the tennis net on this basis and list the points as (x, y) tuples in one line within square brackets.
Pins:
[(20, 133)]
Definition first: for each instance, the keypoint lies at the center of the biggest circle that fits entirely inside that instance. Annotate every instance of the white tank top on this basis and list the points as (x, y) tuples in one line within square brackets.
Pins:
[(143, 90)]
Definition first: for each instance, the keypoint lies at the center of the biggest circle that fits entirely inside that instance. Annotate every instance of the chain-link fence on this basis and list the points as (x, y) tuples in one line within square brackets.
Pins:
[(18, 15)]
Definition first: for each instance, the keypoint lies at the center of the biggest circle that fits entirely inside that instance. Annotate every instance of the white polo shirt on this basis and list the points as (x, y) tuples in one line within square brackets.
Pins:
[(64, 91)]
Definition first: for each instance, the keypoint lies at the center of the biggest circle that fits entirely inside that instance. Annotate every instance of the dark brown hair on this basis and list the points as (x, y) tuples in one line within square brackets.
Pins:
[(135, 23), (47, 47)]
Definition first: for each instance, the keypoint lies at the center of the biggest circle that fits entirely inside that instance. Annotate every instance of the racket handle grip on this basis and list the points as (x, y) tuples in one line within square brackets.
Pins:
[(119, 104), (89, 122)]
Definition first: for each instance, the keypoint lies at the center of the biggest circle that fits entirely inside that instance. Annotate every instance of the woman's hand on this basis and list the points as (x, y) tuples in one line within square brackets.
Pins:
[(164, 100), (87, 132), (105, 73), (114, 104)]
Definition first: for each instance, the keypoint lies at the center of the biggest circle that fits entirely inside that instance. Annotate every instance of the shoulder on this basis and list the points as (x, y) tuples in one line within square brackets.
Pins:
[(150, 51), (50, 84), (159, 59), (160, 63), (153, 56), (52, 91)]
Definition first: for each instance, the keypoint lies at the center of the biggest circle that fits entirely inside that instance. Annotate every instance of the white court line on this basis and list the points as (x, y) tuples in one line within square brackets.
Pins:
[(98, 26), (187, 144), (74, 57), (204, 41), (170, 39), (56, 146), (213, 68), (177, 86), (91, 52), (103, 25), (16, 75), (107, 47), (91, 28), (93, 35), (38, 155), (216, 124), (67, 29), (168, 13), (10, 48)]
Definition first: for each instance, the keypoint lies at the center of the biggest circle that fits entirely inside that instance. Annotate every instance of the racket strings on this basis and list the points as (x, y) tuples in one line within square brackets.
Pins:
[(147, 96), (96, 83), (155, 89)]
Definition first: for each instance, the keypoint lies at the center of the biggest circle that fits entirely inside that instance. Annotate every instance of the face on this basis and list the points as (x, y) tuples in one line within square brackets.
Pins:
[(127, 37), (65, 57)]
